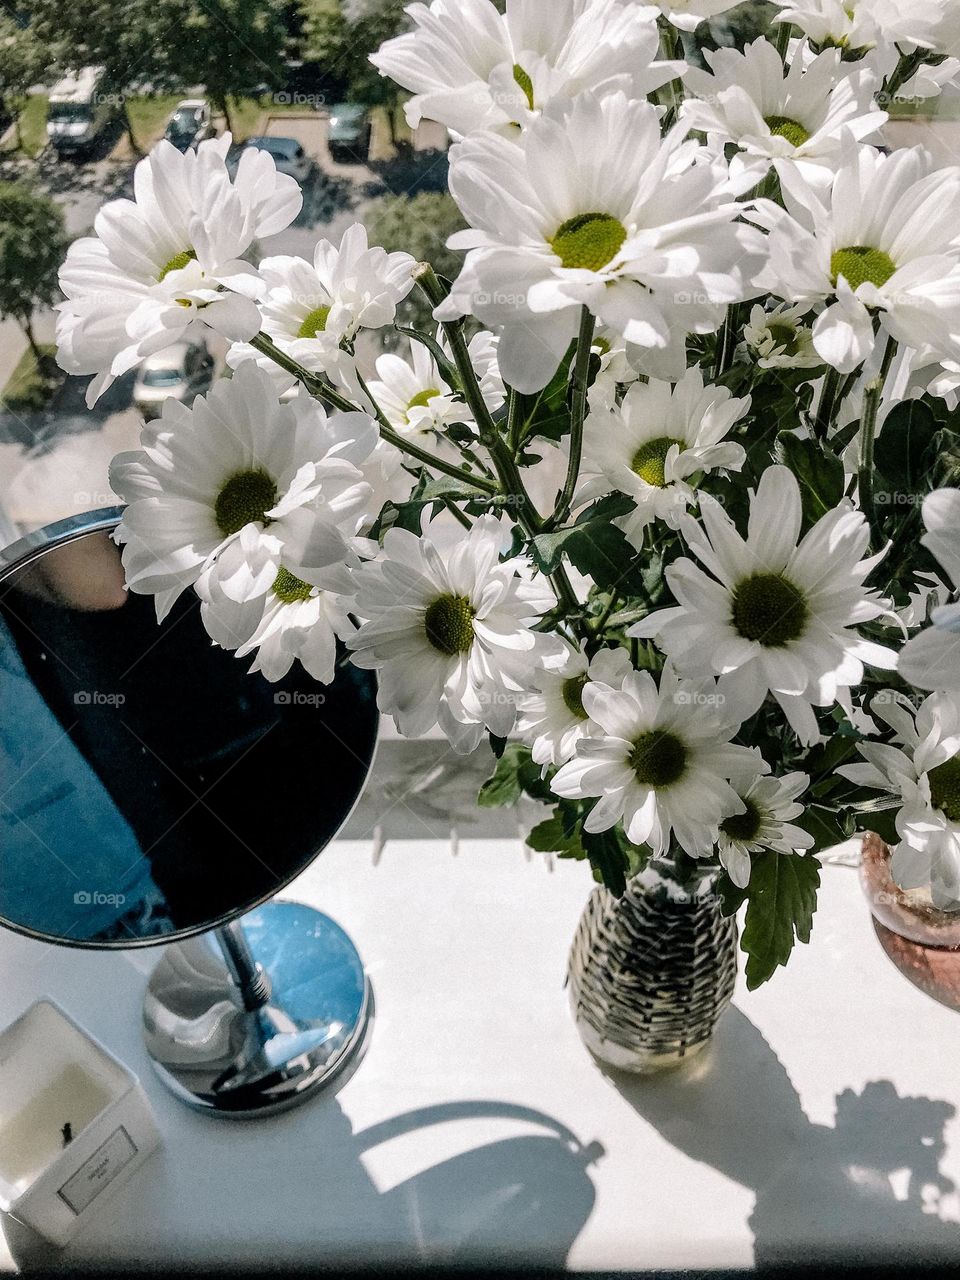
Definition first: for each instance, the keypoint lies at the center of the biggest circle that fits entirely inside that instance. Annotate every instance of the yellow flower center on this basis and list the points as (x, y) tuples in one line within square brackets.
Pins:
[(177, 263), (423, 398), (743, 826), (658, 759), (650, 460), (784, 127), (244, 499), (314, 323), (572, 693), (589, 241), (785, 336), (769, 609), (448, 623), (290, 589), (526, 84), (859, 264)]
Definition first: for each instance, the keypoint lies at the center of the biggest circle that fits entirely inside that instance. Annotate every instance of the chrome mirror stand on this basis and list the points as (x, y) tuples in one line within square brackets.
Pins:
[(256, 1016)]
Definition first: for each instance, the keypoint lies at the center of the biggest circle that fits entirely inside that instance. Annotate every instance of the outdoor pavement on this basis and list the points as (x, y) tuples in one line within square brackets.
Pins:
[(55, 464)]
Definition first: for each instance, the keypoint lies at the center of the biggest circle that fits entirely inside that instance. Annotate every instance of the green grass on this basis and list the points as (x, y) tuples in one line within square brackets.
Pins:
[(381, 148), (33, 126), (149, 116), (30, 388), (246, 115)]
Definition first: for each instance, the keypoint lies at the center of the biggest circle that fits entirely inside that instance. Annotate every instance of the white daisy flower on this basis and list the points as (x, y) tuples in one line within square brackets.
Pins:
[(414, 397), (931, 660), (687, 15), (449, 631), (858, 25), (658, 437), (293, 620), (770, 804), (238, 460), (553, 718), (769, 614), (311, 309), (878, 33), (941, 32), (472, 69), (880, 243), (170, 260), (779, 339), (662, 762), (922, 766), (591, 208), (774, 114)]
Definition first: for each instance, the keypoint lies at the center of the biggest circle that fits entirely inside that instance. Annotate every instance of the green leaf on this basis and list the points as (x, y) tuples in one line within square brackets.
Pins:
[(732, 897), (596, 547), (607, 851), (883, 823), (904, 447), (781, 900), (826, 827), (820, 474), (449, 487), (504, 788), (546, 414), (549, 837)]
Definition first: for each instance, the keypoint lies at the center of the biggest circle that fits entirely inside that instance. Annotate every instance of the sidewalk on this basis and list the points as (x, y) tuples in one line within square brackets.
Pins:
[(13, 342)]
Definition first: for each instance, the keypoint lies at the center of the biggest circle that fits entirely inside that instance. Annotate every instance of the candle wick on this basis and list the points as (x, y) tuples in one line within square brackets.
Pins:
[(67, 1132)]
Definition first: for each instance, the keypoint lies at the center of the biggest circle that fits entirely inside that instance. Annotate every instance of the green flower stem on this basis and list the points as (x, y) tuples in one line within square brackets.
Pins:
[(906, 69), (461, 517), (429, 282), (827, 408), (322, 390), (599, 626), (671, 50), (868, 431), (513, 422), (581, 385), (727, 341), (508, 473), (784, 32)]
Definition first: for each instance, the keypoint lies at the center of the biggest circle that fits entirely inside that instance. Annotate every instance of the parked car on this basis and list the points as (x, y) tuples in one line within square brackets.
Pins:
[(350, 132), (288, 155), (78, 111), (189, 123), (184, 371)]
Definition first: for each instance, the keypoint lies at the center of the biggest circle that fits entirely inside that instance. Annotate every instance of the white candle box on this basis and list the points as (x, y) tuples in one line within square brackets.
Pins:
[(75, 1124)]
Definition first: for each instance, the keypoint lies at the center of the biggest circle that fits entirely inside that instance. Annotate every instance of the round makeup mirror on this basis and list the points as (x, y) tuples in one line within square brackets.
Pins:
[(153, 791)]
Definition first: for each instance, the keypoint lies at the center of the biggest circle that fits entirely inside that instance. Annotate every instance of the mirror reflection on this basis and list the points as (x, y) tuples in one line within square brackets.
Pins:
[(149, 785)]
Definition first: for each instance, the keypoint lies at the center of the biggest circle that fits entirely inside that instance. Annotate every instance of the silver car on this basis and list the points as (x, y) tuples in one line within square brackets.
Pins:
[(183, 371), (288, 155)]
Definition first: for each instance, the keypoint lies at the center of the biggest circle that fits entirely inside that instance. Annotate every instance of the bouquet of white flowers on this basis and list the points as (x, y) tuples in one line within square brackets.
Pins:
[(698, 284)]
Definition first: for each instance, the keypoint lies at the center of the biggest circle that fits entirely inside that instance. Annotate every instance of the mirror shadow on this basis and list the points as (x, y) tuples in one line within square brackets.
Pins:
[(824, 1194), (519, 1201)]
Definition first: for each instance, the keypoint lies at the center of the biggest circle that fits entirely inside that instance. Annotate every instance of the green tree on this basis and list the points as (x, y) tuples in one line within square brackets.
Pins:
[(419, 225), (227, 45), (341, 36), (22, 64), (32, 244), (130, 39)]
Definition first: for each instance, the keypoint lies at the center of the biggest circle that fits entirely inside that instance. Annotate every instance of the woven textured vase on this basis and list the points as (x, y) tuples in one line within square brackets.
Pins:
[(650, 973)]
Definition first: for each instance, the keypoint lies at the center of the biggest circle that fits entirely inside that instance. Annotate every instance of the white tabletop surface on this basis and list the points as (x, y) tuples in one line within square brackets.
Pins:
[(823, 1121)]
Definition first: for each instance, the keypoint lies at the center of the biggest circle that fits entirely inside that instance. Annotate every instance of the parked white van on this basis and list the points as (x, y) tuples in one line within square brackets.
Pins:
[(79, 110)]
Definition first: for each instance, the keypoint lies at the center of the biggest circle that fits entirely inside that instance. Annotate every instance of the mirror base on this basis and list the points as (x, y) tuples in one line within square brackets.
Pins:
[(221, 1058)]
